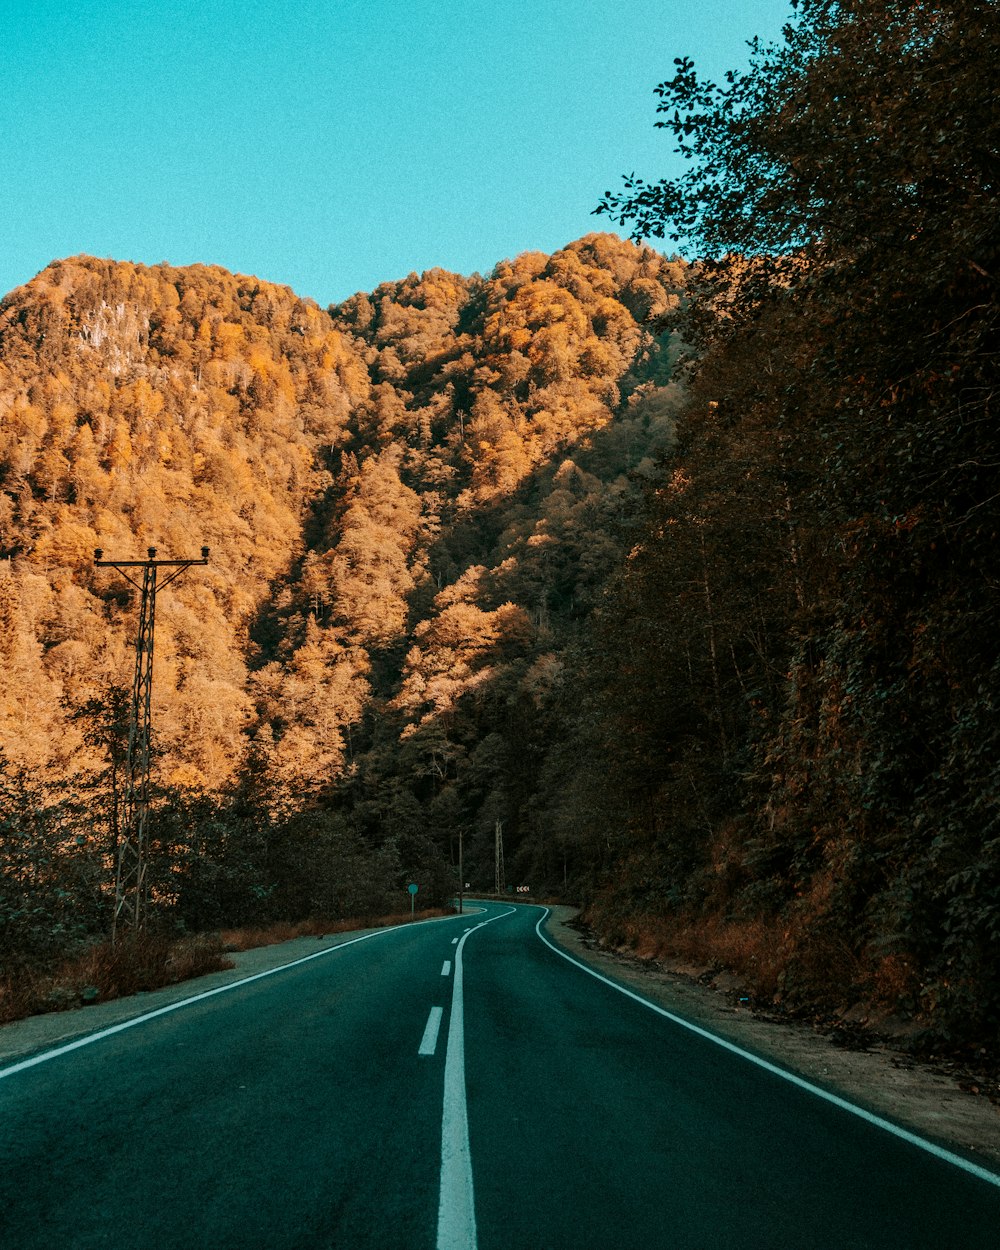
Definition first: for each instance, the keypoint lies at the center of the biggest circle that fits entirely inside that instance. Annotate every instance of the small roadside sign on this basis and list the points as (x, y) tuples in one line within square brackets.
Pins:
[(412, 888)]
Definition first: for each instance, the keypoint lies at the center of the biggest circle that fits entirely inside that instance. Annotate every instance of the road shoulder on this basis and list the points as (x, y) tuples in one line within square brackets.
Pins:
[(880, 1079)]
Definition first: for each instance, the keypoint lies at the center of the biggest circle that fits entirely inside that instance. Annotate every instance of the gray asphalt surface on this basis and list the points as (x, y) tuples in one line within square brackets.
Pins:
[(295, 1112)]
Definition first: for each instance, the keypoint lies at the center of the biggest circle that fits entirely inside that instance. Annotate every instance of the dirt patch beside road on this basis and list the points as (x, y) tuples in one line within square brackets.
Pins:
[(880, 1078)]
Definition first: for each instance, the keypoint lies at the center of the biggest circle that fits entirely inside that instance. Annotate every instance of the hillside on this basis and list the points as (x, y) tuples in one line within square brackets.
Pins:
[(411, 500), (810, 714), (681, 578), (712, 658)]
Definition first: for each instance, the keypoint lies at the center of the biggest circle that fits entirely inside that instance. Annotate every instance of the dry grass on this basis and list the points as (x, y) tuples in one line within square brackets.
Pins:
[(101, 972), (895, 982), (777, 960), (754, 949)]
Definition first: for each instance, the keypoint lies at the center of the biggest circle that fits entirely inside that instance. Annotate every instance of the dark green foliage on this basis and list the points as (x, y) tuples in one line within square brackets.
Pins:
[(50, 888), (843, 193)]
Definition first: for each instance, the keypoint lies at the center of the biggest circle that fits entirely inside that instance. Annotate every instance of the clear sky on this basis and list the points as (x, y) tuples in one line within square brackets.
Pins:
[(335, 144)]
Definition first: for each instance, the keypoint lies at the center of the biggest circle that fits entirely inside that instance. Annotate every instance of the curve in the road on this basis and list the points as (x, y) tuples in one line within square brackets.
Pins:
[(878, 1121)]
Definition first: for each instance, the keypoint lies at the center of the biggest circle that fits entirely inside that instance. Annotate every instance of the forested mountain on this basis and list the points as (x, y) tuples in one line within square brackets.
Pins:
[(683, 577), (412, 502)]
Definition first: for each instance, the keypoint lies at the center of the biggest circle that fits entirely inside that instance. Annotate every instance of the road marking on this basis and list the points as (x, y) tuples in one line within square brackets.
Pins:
[(446, 967), (939, 1152), (456, 1206), (429, 1041), (454, 941), (197, 998)]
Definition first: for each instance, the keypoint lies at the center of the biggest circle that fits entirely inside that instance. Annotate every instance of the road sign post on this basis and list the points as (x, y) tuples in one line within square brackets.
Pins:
[(412, 888)]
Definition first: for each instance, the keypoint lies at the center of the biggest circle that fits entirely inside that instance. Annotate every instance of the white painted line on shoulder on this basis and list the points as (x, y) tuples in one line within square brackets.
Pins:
[(897, 1131), (446, 968), (197, 998), (429, 1041)]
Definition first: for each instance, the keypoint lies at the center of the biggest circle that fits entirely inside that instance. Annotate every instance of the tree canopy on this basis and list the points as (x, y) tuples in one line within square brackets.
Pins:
[(841, 206), (410, 501)]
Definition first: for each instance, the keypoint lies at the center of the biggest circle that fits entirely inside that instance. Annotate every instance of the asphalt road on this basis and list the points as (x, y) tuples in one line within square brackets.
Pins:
[(538, 1108)]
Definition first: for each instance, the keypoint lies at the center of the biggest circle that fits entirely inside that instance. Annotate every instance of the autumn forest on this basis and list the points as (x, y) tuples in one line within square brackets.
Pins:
[(680, 574)]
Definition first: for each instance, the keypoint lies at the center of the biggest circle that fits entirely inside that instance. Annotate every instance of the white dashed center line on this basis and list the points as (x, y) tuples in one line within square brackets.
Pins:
[(429, 1041), (457, 1207)]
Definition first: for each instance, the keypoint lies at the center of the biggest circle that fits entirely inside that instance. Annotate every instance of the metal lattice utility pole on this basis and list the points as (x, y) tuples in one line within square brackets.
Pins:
[(131, 851), (500, 883)]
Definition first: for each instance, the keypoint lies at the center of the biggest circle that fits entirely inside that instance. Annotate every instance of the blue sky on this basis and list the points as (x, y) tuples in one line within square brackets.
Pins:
[(335, 144)]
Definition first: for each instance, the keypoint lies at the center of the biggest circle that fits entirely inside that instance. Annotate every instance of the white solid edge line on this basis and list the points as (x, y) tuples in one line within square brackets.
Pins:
[(456, 1205), (46, 1055), (429, 1041), (974, 1169)]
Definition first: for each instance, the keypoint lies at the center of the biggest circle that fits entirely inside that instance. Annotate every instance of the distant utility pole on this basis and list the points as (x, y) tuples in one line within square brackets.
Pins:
[(131, 852), (500, 883), (461, 873)]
